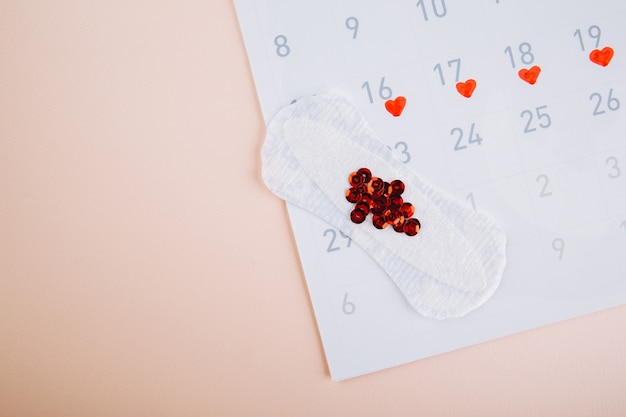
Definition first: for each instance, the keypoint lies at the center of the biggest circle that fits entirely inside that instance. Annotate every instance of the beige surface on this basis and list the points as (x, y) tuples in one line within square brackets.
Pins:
[(146, 271)]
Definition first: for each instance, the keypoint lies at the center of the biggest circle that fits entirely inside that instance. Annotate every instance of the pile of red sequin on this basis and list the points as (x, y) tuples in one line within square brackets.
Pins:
[(382, 199)]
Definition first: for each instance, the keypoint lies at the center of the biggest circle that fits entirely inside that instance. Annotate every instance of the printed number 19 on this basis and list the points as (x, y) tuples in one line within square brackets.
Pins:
[(594, 33)]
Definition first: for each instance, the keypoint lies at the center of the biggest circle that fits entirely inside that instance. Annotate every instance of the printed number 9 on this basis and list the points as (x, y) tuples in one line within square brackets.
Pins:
[(558, 245), (352, 23), (282, 49)]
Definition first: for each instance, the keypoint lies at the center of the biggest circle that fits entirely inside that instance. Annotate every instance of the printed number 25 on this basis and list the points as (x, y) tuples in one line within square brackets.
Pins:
[(543, 119)]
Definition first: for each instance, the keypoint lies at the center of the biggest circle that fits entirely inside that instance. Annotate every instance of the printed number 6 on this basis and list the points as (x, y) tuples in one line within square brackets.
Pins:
[(348, 307)]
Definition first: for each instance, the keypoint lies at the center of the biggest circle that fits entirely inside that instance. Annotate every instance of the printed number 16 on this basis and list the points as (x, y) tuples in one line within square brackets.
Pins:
[(384, 92)]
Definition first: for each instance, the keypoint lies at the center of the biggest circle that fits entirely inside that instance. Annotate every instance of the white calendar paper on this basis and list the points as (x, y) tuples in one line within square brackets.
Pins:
[(546, 160)]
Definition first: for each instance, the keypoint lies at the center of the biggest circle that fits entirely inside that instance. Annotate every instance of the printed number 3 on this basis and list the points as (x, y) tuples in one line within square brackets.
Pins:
[(615, 171), (404, 151)]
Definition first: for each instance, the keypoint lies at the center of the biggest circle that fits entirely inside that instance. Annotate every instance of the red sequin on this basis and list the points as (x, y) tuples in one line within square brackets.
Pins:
[(412, 226), (379, 222), (367, 198), (397, 187), (363, 206), (379, 205), (407, 209), (382, 199), (355, 179), (399, 226), (366, 173), (358, 216), (395, 202), (376, 187), (353, 195)]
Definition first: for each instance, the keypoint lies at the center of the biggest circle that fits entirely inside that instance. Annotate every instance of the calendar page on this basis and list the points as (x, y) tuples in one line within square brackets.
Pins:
[(515, 108)]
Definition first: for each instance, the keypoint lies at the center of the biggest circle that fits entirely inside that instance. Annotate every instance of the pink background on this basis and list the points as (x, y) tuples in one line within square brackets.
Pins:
[(146, 271)]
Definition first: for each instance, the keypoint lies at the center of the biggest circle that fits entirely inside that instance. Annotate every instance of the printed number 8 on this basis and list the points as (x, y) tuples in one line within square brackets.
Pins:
[(282, 49)]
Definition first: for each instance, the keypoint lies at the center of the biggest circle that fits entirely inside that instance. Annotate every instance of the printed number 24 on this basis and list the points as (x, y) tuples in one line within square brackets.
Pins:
[(471, 137)]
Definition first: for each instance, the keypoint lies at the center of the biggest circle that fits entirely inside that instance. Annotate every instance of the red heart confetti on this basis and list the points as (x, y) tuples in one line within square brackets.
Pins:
[(602, 56), (396, 106), (466, 89), (529, 75)]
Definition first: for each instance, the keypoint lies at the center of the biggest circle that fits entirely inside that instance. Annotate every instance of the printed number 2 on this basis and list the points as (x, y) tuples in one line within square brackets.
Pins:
[(544, 189), (543, 117)]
